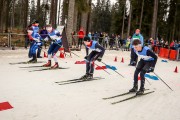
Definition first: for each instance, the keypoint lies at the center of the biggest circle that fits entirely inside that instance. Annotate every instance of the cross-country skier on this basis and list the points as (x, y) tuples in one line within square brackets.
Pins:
[(146, 64), (35, 39), (35, 27), (56, 43), (96, 54)]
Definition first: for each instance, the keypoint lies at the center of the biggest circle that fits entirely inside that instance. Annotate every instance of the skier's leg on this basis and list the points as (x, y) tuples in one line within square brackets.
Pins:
[(142, 74), (137, 71), (48, 64), (55, 50)]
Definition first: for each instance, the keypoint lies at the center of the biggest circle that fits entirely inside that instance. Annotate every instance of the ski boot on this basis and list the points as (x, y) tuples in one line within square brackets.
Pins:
[(140, 92), (39, 57), (56, 66), (132, 63), (84, 77), (30, 61), (134, 89), (47, 64), (90, 76), (34, 61)]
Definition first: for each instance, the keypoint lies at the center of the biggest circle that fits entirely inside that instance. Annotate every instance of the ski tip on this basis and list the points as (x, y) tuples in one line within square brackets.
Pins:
[(113, 103)]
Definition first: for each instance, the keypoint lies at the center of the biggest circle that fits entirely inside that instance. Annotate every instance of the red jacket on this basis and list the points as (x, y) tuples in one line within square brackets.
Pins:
[(81, 34), (172, 44)]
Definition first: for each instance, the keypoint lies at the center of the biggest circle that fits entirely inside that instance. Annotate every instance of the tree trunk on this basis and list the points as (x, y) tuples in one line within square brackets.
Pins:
[(59, 12), (12, 14), (88, 17), (84, 21), (2, 10), (70, 20), (26, 13), (46, 10), (52, 13), (75, 27), (55, 13), (7, 16), (174, 24), (38, 9), (142, 9), (129, 20), (154, 19), (122, 32)]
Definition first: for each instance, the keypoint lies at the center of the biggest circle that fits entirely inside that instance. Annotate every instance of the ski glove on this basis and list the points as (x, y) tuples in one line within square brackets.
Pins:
[(86, 57), (39, 44), (46, 39), (151, 69), (99, 59), (37, 40)]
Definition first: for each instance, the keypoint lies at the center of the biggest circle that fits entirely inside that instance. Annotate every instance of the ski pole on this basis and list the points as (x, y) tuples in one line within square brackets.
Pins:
[(147, 81), (163, 81), (113, 70), (103, 69)]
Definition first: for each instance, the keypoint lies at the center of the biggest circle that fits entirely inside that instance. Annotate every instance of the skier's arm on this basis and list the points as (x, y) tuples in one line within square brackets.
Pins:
[(87, 51), (58, 33), (37, 38), (142, 40), (150, 53), (101, 51)]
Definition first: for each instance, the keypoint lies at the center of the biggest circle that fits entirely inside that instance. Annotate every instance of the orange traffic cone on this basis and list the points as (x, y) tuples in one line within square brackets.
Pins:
[(115, 60), (45, 55), (122, 60), (61, 55), (176, 70)]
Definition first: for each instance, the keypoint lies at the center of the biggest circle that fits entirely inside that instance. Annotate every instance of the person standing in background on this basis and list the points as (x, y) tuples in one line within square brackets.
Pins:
[(81, 36), (136, 35)]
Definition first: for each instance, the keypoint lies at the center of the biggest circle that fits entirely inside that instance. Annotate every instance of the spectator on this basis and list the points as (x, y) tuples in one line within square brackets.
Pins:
[(96, 36), (127, 45), (162, 42), (150, 43), (166, 45), (90, 36), (73, 39), (178, 51), (172, 45), (81, 36), (136, 35), (111, 41), (100, 38), (106, 40)]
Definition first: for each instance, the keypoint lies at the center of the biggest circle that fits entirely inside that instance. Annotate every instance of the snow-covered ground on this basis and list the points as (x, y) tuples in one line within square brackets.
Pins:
[(36, 96)]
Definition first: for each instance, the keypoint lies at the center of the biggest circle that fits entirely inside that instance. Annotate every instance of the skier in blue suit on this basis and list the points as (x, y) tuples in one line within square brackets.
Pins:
[(56, 43), (146, 64), (36, 42), (96, 54)]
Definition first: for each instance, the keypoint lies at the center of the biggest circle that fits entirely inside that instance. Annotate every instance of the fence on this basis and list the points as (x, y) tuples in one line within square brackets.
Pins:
[(12, 39), (168, 53)]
